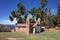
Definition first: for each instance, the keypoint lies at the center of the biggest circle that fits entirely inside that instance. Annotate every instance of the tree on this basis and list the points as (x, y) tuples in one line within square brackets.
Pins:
[(43, 11), (39, 12), (58, 13), (47, 17), (18, 13), (33, 12), (43, 3)]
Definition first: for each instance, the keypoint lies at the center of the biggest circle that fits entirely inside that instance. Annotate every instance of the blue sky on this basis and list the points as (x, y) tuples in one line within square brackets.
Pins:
[(6, 6)]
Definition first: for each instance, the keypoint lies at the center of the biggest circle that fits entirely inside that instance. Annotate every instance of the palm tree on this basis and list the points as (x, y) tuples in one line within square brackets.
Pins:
[(18, 13)]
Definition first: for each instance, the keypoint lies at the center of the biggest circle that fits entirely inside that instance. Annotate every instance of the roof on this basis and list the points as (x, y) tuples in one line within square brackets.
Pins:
[(24, 24)]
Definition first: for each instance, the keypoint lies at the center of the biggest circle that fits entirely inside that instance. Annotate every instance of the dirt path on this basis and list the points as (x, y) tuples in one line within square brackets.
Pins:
[(15, 38)]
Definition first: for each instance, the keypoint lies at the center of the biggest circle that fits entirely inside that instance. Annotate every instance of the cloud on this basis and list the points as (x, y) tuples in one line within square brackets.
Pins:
[(8, 22)]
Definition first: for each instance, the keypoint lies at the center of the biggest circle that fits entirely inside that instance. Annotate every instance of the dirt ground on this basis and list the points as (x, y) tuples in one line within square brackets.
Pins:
[(51, 29), (15, 38)]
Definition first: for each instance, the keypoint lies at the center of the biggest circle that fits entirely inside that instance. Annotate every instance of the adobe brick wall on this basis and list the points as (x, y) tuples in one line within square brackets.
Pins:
[(20, 29), (13, 30)]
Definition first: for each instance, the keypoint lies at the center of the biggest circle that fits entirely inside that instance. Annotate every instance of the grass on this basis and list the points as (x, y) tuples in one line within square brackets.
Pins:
[(47, 35)]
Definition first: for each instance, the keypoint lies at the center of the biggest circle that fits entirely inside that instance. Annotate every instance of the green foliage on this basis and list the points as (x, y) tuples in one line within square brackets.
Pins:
[(58, 7), (58, 13), (32, 20), (13, 13), (11, 18), (33, 11), (21, 8), (43, 3), (39, 12), (17, 14), (20, 20)]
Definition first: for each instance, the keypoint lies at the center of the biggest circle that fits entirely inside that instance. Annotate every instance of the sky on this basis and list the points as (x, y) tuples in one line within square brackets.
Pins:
[(6, 6)]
